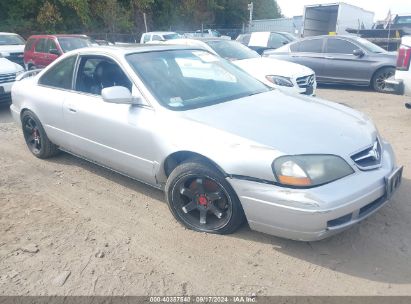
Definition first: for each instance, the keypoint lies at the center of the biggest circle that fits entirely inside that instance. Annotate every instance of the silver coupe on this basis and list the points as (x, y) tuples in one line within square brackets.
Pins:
[(223, 146)]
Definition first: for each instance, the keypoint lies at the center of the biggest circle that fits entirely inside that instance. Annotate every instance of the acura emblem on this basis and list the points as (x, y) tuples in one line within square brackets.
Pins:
[(373, 153)]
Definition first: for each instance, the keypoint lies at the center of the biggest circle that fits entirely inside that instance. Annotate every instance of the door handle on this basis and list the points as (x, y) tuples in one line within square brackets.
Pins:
[(72, 109)]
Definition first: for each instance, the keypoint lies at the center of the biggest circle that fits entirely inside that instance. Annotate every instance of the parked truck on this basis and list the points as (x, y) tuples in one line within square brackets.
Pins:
[(334, 18)]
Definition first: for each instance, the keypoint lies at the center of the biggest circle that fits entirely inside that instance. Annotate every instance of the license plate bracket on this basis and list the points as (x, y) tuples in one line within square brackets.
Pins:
[(393, 181)]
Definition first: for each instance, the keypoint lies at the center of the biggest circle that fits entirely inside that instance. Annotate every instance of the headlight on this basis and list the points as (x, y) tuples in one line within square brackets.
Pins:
[(280, 80), (310, 170)]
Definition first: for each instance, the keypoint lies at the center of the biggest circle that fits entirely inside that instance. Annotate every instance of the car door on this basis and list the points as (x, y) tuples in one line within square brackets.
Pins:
[(39, 55), (118, 136), (309, 53), (51, 53), (341, 65), (51, 91)]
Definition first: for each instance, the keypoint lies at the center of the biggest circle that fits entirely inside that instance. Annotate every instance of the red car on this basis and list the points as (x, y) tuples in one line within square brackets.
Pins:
[(41, 50)]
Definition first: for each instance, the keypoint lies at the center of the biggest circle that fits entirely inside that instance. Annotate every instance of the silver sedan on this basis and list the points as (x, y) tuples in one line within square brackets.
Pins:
[(224, 147)]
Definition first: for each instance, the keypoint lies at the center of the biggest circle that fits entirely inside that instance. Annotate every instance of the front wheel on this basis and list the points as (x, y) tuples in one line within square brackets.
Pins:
[(378, 81), (201, 199), (35, 136)]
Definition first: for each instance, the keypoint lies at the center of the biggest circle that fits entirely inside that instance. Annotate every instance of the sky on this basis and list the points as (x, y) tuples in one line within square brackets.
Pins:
[(291, 8)]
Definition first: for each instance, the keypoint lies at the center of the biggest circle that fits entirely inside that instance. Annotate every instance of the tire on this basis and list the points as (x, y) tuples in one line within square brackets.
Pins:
[(201, 199), (35, 136), (379, 77)]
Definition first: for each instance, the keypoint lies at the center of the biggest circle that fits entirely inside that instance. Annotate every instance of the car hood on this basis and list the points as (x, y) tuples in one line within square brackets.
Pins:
[(7, 66), (290, 124), (270, 66), (12, 48)]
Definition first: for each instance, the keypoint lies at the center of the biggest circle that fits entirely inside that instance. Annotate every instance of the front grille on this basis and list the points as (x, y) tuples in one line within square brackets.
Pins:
[(369, 158), (17, 58), (7, 77), (5, 98), (306, 81)]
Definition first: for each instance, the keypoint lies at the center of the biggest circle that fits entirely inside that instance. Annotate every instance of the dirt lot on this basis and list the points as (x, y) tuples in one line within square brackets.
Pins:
[(68, 227)]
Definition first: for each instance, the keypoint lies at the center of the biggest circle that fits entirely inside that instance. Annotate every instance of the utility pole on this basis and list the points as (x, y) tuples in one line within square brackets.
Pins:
[(251, 9), (145, 21)]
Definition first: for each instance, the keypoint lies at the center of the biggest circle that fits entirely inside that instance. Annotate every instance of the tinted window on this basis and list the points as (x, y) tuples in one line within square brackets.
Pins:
[(308, 46), (29, 44), (60, 75), (72, 43), (50, 45), (340, 46), (277, 40), (97, 73), (156, 38), (232, 50), (171, 36), (40, 46)]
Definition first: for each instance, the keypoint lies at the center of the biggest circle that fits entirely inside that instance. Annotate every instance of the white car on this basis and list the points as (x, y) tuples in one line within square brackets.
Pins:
[(12, 47), (158, 36), (8, 73), (286, 76)]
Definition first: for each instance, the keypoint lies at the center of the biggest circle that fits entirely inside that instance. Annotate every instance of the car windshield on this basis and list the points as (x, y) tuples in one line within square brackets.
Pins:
[(232, 50), (11, 40), (171, 36), (71, 43), (371, 47), (187, 79)]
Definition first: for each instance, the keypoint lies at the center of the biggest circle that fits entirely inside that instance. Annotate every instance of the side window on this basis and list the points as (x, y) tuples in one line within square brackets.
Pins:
[(244, 38), (96, 73), (60, 75), (146, 38), (309, 46), (29, 44), (340, 46), (276, 41), (40, 46), (51, 45), (156, 38)]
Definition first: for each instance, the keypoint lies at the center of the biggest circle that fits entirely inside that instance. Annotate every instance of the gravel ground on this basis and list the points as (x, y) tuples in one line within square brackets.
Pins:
[(68, 227)]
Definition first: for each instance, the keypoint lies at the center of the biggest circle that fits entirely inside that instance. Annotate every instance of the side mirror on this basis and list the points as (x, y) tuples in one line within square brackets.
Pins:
[(54, 52), (119, 95), (358, 53)]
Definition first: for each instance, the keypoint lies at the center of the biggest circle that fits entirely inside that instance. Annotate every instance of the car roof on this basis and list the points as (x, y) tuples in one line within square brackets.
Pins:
[(6, 33), (161, 33), (133, 48), (58, 35)]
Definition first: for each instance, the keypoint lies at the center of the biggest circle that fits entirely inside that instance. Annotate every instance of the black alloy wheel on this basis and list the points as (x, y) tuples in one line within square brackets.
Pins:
[(201, 199)]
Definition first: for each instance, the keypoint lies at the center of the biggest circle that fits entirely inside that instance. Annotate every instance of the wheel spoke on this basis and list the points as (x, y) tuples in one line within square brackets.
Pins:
[(215, 211), (189, 207), (203, 216), (186, 192), (199, 185), (213, 196)]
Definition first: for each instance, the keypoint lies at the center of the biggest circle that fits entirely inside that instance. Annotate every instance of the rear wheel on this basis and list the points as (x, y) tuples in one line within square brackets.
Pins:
[(201, 199), (378, 81), (36, 138)]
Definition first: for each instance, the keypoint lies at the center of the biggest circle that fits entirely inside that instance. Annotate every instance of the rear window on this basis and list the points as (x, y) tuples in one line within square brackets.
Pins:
[(72, 43), (29, 44), (308, 46), (244, 38), (60, 75)]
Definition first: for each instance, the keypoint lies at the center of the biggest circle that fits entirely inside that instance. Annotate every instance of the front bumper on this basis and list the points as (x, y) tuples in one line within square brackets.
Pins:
[(5, 89), (316, 213)]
